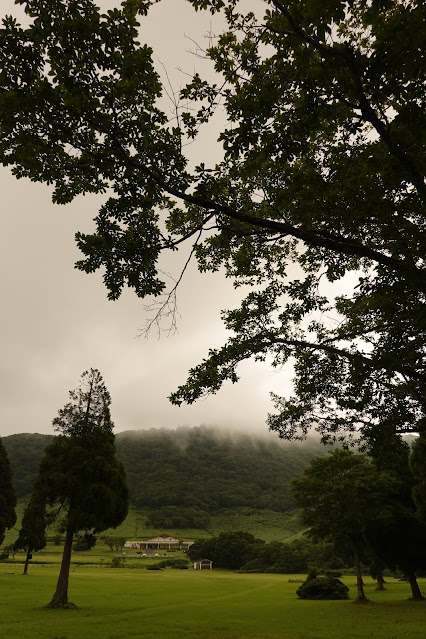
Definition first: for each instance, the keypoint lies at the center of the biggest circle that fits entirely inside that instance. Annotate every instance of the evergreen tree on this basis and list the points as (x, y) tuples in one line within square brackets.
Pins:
[(7, 495), (32, 536), (80, 476)]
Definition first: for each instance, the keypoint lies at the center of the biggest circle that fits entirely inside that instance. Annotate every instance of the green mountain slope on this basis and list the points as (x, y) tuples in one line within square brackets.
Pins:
[(189, 467), (209, 470)]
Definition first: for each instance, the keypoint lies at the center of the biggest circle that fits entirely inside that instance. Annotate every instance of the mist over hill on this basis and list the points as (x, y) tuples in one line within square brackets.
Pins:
[(201, 467)]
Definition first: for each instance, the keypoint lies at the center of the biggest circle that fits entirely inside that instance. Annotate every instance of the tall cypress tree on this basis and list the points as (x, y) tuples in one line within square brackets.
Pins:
[(80, 475), (7, 494)]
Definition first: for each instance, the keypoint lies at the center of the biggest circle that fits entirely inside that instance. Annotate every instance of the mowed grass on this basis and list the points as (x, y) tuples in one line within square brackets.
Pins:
[(125, 603)]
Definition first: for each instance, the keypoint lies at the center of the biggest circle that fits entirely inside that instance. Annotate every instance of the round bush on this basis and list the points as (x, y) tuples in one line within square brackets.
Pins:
[(323, 588)]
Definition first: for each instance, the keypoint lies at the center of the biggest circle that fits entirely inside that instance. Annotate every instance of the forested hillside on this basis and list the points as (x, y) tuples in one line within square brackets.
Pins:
[(189, 467), (25, 451)]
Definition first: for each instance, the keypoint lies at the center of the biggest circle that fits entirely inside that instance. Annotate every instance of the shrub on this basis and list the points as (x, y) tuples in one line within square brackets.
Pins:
[(155, 567), (181, 564), (117, 562), (84, 542), (323, 588), (173, 563)]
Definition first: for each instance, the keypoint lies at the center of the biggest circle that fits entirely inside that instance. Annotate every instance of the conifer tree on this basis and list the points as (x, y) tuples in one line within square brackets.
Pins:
[(32, 536), (80, 476), (7, 494)]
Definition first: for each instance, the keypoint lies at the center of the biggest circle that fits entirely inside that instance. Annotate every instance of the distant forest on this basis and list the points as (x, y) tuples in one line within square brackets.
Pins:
[(189, 467)]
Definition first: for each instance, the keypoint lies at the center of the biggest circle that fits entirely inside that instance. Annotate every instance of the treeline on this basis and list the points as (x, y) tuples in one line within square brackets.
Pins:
[(242, 551), (188, 468)]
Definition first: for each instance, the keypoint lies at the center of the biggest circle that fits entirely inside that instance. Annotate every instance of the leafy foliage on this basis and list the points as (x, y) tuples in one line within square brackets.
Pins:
[(347, 500), (115, 543), (341, 495), (322, 176), (241, 550), (84, 542), (117, 562), (178, 564), (228, 550), (398, 542)]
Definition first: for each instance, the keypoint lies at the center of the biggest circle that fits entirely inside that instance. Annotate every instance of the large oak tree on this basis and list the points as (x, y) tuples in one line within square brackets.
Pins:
[(323, 175)]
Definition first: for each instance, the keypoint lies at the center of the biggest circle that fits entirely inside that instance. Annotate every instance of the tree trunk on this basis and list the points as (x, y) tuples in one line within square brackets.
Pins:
[(359, 582), (380, 581), (27, 560), (60, 598), (415, 590)]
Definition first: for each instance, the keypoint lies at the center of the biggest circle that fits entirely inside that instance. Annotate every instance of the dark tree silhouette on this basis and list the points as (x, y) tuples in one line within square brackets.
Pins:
[(32, 536), (7, 494)]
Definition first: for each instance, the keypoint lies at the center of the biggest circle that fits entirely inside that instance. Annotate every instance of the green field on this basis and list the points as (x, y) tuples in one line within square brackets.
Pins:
[(127, 603), (265, 524)]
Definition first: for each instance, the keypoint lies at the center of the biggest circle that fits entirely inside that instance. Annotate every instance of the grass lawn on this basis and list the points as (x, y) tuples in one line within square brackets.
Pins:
[(170, 604)]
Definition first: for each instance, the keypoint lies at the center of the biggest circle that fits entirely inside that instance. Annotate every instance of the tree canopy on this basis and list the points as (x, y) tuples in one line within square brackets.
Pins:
[(322, 176), (228, 550), (347, 500)]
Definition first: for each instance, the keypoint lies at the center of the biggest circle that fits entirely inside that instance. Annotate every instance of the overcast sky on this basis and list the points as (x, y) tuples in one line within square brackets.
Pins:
[(57, 322)]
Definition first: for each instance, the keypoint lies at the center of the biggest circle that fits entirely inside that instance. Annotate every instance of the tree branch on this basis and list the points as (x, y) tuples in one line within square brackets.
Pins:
[(332, 350), (316, 238)]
